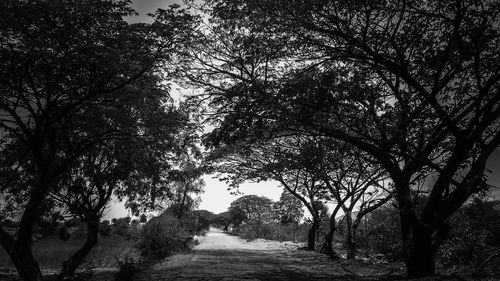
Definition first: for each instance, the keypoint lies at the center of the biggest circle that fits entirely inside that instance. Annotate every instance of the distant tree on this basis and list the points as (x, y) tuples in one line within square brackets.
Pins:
[(236, 215), (253, 209), (288, 209), (121, 226), (202, 220), (223, 219)]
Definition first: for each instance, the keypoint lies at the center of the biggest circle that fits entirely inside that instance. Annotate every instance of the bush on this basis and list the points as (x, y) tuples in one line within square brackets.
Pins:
[(128, 269), (385, 233), (468, 243), (105, 228), (163, 236), (273, 231), (121, 227), (465, 247)]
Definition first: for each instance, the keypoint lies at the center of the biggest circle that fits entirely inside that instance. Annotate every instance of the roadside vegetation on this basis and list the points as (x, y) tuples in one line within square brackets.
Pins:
[(472, 250)]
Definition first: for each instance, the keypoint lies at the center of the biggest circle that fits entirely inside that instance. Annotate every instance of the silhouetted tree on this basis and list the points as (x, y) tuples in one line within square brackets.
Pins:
[(412, 83), (58, 60), (282, 160)]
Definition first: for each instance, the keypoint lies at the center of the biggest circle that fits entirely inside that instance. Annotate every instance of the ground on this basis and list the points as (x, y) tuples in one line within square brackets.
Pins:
[(220, 256)]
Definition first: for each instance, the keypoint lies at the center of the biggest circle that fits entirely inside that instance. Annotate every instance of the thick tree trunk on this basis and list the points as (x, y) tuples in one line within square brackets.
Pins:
[(351, 245), (418, 247), (70, 265), (25, 263), (311, 237), (21, 252), (328, 246)]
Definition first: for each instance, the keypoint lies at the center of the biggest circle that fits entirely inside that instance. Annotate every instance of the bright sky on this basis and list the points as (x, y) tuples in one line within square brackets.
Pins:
[(216, 198), (144, 7)]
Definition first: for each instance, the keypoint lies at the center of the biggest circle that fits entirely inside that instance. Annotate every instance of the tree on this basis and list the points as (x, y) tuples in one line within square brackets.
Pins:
[(202, 220), (60, 60), (288, 209), (121, 226), (188, 183), (354, 181), (252, 209), (223, 219), (284, 160), (86, 189), (414, 84)]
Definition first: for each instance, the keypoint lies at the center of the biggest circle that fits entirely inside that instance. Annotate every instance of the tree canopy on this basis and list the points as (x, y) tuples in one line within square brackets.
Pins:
[(77, 84), (413, 84)]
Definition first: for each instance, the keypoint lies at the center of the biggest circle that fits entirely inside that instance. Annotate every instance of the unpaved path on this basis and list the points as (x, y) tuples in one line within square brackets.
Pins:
[(220, 256)]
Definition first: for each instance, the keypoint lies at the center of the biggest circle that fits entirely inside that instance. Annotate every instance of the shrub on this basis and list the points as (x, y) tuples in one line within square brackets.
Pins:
[(162, 236), (474, 234), (121, 227), (273, 231), (466, 247), (105, 228), (467, 243), (385, 233), (128, 268)]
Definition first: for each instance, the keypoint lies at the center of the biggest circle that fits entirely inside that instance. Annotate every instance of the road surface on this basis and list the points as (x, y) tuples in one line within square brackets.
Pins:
[(220, 256)]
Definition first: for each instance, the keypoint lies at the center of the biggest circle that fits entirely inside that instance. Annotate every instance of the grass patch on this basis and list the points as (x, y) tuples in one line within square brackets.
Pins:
[(51, 252)]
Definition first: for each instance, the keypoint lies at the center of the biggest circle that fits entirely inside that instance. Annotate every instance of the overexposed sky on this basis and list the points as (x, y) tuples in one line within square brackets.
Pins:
[(144, 7), (216, 197)]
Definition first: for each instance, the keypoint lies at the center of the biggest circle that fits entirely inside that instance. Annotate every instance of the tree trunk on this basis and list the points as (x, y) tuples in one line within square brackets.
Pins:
[(328, 246), (311, 237), (351, 245), (21, 251), (419, 250), (70, 265), (181, 205), (25, 263)]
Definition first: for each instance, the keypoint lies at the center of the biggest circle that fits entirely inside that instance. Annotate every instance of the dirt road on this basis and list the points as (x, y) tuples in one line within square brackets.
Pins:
[(220, 256)]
